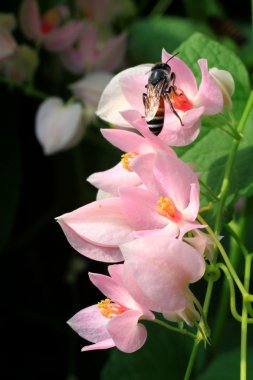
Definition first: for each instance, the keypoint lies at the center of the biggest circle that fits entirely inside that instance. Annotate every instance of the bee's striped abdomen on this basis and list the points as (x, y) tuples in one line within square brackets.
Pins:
[(156, 124)]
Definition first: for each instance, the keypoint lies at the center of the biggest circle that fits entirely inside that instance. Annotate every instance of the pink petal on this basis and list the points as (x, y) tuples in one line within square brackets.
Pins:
[(113, 100), (126, 141), (7, 45), (174, 179), (107, 343), (30, 19), (137, 80), (112, 54), (138, 122), (90, 324), (176, 135), (188, 226), (100, 222), (63, 37), (190, 213), (162, 268), (126, 332), (91, 250), (209, 94), (185, 80), (111, 180), (140, 208), (113, 290)]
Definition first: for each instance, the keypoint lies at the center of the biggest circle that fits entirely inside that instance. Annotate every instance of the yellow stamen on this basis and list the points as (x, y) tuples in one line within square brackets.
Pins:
[(126, 160), (167, 208), (109, 309)]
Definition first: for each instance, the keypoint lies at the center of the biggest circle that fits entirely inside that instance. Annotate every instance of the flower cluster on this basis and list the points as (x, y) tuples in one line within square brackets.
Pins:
[(81, 41), (146, 211)]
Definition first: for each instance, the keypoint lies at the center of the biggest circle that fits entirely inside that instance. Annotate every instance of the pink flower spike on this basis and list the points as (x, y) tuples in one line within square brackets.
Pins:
[(162, 269), (114, 321)]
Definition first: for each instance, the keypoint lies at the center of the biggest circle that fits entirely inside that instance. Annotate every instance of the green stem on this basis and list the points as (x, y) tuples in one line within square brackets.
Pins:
[(191, 360), (26, 89), (244, 325), (218, 224), (229, 165), (175, 329), (225, 257), (160, 7), (234, 311)]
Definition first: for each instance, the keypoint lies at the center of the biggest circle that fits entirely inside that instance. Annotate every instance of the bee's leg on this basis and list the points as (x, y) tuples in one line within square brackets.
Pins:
[(166, 95), (144, 99), (173, 87), (172, 78)]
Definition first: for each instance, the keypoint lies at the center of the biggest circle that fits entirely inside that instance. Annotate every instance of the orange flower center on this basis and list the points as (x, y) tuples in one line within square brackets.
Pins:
[(126, 160), (167, 208), (110, 309), (50, 20), (180, 100)]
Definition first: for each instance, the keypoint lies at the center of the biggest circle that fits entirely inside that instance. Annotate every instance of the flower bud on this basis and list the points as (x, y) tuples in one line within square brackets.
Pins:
[(226, 83)]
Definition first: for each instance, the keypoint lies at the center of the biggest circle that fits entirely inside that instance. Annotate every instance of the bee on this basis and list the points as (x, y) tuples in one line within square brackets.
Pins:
[(161, 83)]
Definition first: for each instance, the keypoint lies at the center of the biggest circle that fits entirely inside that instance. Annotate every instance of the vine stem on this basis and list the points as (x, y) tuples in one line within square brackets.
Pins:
[(244, 324), (172, 328), (218, 224)]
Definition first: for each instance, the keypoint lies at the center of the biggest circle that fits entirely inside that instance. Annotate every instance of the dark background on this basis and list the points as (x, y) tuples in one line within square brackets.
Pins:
[(43, 280)]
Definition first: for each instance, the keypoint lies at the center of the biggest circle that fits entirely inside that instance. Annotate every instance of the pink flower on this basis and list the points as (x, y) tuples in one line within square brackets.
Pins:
[(134, 145), (114, 321), (91, 54), (168, 201), (58, 126), (125, 92), (157, 272), (51, 29)]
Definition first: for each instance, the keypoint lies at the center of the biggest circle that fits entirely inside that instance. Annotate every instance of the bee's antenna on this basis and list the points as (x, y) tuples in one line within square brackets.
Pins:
[(172, 56)]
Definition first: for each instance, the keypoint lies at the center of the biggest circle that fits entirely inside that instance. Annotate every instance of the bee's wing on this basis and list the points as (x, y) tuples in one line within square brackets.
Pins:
[(153, 99)]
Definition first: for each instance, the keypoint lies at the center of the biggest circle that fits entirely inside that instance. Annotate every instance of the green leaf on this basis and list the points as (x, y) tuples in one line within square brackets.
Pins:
[(227, 366), (162, 32), (210, 151), (164, 357)]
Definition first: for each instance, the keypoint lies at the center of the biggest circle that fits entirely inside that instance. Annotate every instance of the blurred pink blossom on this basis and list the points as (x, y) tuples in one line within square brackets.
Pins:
[(89, 53), (52, 29), (124, 93), (115, 320)]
